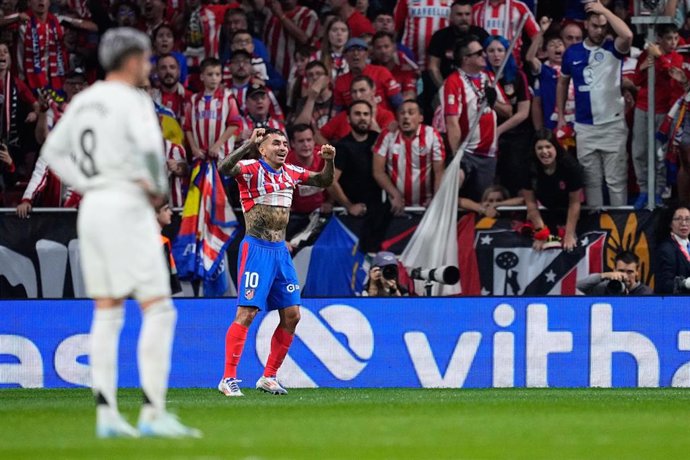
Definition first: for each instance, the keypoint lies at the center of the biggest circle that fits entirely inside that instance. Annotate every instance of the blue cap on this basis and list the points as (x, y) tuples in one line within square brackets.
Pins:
[(383, 259), (356, 43)]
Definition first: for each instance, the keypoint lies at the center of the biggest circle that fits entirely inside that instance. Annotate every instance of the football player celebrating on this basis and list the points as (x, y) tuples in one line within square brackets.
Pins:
[(266, 276)]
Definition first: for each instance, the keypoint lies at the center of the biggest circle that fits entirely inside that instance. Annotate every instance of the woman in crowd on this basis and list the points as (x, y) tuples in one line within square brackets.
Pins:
[(163, 39), (672, 253), (555, 181), (332, 48), (515, 132)]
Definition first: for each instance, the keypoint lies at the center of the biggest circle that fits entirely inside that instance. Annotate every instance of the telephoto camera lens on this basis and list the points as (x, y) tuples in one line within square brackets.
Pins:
[(390, 272), (615, 287)]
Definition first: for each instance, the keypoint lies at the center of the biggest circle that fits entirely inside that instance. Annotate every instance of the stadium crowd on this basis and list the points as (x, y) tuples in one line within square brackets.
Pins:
[(395, 86)]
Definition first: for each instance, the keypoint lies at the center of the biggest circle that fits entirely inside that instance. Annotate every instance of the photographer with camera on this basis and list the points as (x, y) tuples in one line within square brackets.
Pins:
[(383, 277), (624, 280)]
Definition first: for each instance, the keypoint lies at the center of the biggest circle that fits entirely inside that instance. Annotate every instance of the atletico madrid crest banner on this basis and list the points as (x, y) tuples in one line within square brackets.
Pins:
[(509, 266)]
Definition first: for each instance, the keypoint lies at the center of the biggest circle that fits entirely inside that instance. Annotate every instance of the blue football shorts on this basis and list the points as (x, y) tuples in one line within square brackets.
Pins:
[(266, 276)]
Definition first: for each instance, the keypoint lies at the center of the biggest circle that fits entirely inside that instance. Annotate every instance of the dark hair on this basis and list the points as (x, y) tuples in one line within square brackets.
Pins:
[(460, 48), (549, 38), (313, 64), (381, 12), (236, 12), (381, 34), (462, 3), (545, 134), (209, 62), (269, 131), (663, 29), (304, 50), (163, 204), (410, 101), (354, 103), (241, 31), (352, 2), (664, 224), (165, 56), (627, 257), (365, 78), (299, 128), (160, 27)]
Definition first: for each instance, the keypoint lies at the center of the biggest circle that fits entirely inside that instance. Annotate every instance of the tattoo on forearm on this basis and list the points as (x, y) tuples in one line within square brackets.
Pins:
[(228, 166), (324, 178), (267, 222)]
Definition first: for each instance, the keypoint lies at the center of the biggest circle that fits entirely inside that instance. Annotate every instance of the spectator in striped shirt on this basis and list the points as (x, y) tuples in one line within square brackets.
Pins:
[(212, 116), (44, 187), (170, 92), (417, 20), (409, 161), (464, 94), (261, 68), (239, 79), (287, 26), (258, 114)]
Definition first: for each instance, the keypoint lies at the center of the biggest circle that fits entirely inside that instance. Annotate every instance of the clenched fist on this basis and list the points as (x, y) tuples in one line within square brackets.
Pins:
[(327, 152)]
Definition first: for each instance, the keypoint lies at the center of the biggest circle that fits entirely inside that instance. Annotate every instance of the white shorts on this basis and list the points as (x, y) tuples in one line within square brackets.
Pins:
[(120, 246)]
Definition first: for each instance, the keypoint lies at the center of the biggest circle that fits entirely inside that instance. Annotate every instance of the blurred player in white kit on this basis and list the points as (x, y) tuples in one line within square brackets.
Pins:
[(109, 147)]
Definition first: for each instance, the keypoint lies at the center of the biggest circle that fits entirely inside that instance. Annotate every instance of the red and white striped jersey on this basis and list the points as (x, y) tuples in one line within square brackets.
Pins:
[(205, 42), (503, 19), (462, 96), (261, 184), (240, 93), (281, 45), (206, 117), (409, 162), (173, 100), (178, 184), (247, 125), (419, 19)]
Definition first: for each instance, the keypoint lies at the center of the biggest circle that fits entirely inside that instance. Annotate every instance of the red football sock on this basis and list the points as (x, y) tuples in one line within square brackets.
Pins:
[(280, 344), (234, 344)]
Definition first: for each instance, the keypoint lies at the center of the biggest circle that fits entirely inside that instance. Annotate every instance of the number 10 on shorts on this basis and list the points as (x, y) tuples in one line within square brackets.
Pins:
[(251, 280)]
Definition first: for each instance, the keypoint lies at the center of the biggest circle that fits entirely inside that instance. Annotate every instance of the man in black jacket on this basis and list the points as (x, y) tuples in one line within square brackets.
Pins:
[(624, 280)]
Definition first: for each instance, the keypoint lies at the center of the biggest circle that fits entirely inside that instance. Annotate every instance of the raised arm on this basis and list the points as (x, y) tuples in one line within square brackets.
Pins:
[(228, 166), (624, 35), (325, 177)]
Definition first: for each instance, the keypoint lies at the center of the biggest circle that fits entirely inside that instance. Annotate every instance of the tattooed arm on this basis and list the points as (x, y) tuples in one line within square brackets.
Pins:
[(325, 177), (228, 166)]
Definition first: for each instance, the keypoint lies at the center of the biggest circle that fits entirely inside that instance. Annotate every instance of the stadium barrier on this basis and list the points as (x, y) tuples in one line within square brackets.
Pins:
[(39, 256), (369, 342)]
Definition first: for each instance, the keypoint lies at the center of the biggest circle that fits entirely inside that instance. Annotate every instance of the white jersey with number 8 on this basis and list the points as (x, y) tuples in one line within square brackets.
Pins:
[(108, 145)]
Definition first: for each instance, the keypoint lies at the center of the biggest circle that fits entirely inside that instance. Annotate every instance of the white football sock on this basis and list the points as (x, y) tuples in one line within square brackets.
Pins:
[(105, 337), (153, 352)]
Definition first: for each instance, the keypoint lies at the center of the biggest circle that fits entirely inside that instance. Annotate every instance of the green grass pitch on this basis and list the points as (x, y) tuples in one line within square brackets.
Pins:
[(365, 424)]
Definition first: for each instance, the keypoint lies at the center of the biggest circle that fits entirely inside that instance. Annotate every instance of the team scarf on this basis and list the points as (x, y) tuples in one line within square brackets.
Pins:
[(10, 106), (44, 66)]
